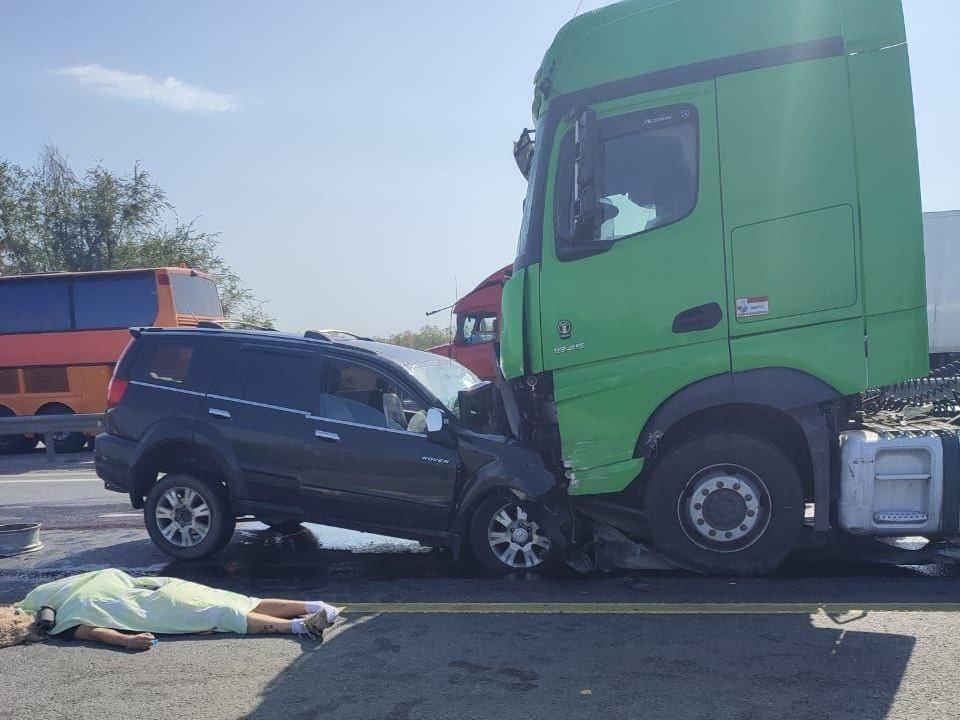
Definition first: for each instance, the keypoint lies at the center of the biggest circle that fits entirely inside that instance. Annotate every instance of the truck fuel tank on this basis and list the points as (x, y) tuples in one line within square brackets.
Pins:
[(899, 484)]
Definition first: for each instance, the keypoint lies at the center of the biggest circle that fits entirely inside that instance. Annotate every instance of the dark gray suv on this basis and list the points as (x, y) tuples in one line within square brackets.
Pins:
[(208, 425)]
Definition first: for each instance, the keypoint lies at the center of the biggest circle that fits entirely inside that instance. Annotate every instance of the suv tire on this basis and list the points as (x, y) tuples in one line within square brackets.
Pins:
[(505, 536), (188, 517), (725, 504)]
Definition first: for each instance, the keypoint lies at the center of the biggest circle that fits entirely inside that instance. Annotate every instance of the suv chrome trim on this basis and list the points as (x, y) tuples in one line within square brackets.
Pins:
[(141, 383), (267, 406), (259, 404), (362, 425)]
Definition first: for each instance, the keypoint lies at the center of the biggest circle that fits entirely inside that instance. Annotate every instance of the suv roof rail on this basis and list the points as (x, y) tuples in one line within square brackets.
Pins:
[(332, 335), (229, 324)]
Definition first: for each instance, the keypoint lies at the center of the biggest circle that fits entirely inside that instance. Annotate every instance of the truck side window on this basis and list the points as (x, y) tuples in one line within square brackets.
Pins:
[(478, 329), (647, 172)]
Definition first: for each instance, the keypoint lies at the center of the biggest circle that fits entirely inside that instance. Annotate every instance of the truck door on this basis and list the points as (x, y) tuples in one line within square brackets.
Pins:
[(654, 286)]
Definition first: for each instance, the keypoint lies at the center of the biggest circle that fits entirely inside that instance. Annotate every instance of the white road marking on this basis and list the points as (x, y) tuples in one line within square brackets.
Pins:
[(122, 515), (35, 481)]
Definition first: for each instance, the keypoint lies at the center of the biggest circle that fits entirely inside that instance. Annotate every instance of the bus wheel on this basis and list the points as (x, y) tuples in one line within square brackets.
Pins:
[(63, 442), (14, 444), (725, 504)]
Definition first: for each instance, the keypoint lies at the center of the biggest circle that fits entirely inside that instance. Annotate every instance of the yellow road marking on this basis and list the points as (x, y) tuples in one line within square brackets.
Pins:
[(616, 608)]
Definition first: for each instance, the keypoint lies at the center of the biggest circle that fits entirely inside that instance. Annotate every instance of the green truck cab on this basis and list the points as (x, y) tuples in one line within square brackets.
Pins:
[(721, 247)]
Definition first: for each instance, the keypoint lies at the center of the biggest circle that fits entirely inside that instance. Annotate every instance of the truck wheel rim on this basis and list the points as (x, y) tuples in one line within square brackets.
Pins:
[(183, 516), (515, 539), (724, 508)]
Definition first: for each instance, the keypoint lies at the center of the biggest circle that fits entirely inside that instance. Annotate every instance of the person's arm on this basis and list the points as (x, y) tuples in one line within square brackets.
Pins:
[(140, 641)]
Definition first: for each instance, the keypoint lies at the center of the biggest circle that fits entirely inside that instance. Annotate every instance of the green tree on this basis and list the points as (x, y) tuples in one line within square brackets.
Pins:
[(426, 337), (52, 219)]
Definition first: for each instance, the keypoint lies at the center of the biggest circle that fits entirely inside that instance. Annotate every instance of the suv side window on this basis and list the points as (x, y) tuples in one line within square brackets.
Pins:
[(647, 172), (171, 362), (359, 394), (275, 378)]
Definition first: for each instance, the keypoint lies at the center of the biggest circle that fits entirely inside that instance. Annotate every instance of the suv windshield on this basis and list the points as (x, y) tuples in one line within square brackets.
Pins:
[(443, 377)]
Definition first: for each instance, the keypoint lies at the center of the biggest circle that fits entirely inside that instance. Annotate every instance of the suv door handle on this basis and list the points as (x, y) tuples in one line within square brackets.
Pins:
[(328, 436), (219, 413)]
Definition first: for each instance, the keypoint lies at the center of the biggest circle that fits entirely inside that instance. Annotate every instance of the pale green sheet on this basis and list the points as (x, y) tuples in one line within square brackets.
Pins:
[(112, 599)]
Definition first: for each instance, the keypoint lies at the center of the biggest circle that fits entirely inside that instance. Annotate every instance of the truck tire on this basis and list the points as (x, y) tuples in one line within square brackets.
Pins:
[(505, 536), (187, 517), (725, 504)]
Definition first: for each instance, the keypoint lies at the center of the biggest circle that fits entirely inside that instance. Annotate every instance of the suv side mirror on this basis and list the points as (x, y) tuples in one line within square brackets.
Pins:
[(434, 420)]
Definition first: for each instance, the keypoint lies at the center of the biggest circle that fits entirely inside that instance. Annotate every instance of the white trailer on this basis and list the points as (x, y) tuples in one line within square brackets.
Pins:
[(941, 234)]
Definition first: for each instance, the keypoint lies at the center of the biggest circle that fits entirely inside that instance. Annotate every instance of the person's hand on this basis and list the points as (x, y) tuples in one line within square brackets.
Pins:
[(140, 641)]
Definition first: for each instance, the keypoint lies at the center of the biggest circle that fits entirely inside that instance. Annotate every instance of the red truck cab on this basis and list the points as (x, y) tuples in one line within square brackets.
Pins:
[(478, 327)]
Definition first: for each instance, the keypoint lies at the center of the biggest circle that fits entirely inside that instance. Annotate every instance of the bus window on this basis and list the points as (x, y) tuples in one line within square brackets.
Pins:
[(9, 381), (122, 301), (194, 295), (36, 305)]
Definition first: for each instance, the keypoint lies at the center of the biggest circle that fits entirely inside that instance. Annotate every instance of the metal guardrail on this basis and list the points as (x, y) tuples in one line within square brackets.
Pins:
[(48, 425)]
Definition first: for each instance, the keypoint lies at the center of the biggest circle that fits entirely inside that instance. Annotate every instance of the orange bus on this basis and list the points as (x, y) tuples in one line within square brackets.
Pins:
[(62, 333)]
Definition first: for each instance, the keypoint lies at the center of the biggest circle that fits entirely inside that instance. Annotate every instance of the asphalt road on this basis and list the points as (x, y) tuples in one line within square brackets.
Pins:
[(428, 639)]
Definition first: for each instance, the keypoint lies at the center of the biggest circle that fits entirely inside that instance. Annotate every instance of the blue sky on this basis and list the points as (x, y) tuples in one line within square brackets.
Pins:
[(355, 155)]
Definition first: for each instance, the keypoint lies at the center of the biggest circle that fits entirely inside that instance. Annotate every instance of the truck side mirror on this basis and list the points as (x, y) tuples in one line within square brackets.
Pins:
[(586, 219)]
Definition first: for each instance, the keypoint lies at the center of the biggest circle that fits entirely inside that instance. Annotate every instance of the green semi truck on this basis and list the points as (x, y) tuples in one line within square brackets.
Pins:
[(721, 251)]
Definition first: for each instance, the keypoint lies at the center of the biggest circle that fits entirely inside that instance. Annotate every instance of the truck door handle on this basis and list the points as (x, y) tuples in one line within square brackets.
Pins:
[(703, 317), (217, 413), (328, 436)]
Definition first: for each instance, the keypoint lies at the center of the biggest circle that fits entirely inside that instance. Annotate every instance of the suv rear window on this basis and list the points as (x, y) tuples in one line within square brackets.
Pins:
[(168, 362)]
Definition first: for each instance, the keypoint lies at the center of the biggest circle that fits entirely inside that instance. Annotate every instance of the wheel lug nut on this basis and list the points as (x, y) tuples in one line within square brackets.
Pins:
[(719, 483), (706, 492), (700, 521), (748, 498), (698, 506), (743, 528), (713, 533), (736, 486), (729, 535), (750, 513)]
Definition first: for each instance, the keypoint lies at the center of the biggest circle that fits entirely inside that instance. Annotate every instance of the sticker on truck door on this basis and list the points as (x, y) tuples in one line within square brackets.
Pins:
[(753, 306)]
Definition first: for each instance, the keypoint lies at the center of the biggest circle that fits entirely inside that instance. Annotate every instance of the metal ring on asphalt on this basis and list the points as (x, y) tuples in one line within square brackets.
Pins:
[(724, 508), (183, 516), (516, 539)]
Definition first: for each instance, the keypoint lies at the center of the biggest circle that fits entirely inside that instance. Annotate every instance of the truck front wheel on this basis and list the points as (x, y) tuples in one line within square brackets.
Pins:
[(725, 504)]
